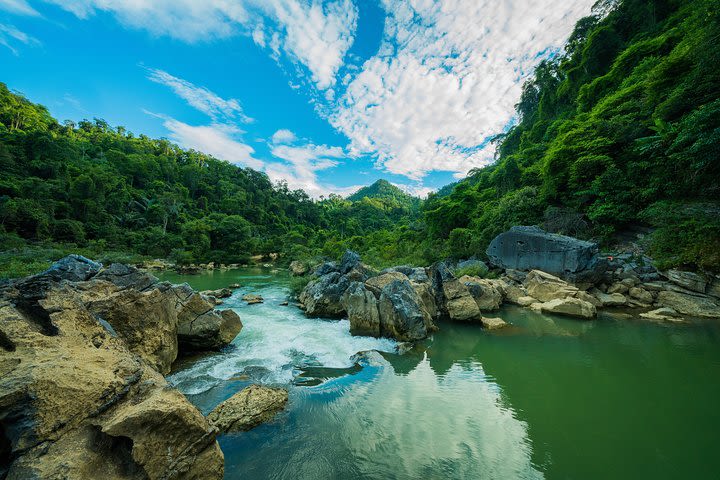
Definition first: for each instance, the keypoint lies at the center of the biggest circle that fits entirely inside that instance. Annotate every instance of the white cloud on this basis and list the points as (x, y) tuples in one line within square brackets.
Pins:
[(301, 164), (447, 78), (315, 33), (10, 36), (283, 136), (199, 97), (20, 7), (217, 140)]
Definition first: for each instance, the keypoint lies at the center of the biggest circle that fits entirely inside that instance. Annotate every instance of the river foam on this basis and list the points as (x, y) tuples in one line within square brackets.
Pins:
[(275, 341)]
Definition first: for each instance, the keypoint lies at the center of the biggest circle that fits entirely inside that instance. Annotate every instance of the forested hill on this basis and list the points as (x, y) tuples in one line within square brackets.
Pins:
[(96, 189), (384, 190), (622, 129)]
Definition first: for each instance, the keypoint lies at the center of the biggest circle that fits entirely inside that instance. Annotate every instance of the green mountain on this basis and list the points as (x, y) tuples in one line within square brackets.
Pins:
[(622, 129), (383, 189)]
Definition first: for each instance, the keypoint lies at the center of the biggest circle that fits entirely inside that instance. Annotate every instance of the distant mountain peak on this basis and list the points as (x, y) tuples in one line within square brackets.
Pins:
[(381, 189)]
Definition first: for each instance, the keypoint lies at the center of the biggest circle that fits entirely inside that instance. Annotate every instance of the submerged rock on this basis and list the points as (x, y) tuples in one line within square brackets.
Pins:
[(248, 408), (252, 299), (493, 323)]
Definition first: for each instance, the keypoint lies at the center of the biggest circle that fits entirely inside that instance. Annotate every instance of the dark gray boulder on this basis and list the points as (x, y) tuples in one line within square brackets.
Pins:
[(126, 276), (531, 248), (74, 268), (402, 314), (323, 297), (361, 306), (349, 261)]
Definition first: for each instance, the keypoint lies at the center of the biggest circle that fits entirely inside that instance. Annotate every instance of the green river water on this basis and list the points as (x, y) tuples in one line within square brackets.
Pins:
[(549, 397)]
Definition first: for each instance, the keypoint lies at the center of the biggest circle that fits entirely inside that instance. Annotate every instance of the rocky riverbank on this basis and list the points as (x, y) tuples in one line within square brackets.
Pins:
[(535, 269), (83, 350)]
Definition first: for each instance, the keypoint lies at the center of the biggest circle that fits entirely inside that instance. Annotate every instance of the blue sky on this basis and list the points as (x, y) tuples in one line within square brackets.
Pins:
[(326, 95)]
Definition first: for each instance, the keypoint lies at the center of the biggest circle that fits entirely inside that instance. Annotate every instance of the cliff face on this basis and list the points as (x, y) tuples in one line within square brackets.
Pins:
[(81, 389)]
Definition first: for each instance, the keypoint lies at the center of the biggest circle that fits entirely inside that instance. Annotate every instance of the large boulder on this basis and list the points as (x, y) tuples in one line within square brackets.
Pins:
[(488, 294), (297, 268), (460, 302), (362, 310), (690, 280), (73, 268), (146, 321), (425, 293), (402, 314), (248, 408), (376, 284), (78, 402), (573, 307), (691, 305), (546, 287), (127, 276), (199, 325), (322, 297), (531, 248)]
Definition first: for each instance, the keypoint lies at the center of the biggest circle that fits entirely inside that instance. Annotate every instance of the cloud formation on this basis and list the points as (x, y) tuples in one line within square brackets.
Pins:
[(10, 36), (315, 34), (200, 98), (446, 80)]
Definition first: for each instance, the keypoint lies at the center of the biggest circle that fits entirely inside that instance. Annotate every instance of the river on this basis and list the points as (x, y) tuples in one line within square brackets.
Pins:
[(549, 397)]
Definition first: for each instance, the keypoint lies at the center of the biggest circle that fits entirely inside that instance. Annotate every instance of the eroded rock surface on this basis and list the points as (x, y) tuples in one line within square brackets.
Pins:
[(248, 408)]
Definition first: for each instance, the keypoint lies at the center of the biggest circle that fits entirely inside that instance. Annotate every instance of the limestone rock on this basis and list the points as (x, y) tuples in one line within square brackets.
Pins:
[(252, 299), (362, 310), (488, 294), (641, 295), (661, 314), (147, 321), (427, 298), (493, 323), (73, 268), (248, 408), (690, 280), (619, 287), (376, 284), (298, 269), (323, 296), (79, 401), (610, 299), (219, 293), (126, 276), (459, 302), (572, 307), (402, 314), (200, 326), (530, 248), (691, 305), (546, 287)]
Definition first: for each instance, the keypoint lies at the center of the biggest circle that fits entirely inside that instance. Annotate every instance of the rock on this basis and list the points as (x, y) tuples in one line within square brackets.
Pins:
[(219, 293), (530, 248), (493, 323), (691, 305), (79, 402), (690, 280), (459, 302), (572, 307), (402, 314), (526, 301), (546, 287), (514, 292), (147, 321), (73, 268), (234, 286), (714, 289), (618, 288), (654, 286), (323, 297), (248, 408), (326, 268), (488, 294), (661, 314), (588, 298), (418, 275), (376, 284), (370, 358), (252, 299), (298, 269), (284, 304), (200, 326), (427, 298), (349, 261), (517, 276), (610, 299), (126, 276), (641, 295), (362, 310)]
